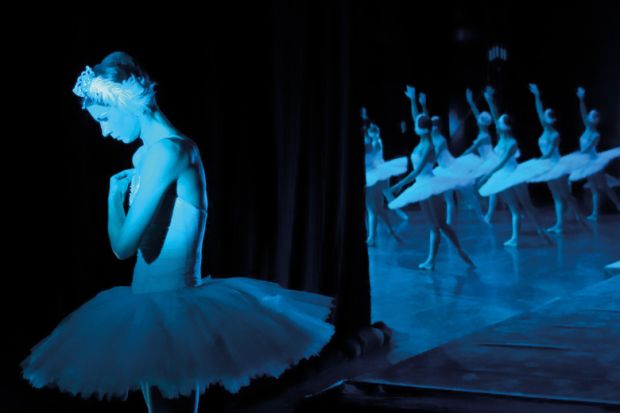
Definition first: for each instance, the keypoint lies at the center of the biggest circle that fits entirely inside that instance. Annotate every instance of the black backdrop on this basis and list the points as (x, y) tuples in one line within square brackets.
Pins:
[(271, 93)]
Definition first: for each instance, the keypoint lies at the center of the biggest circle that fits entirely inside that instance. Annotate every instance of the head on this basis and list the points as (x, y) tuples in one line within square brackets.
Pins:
[(435, 124), (117, 93), (484, 120), (373, 132), (504, 124), (593, 119), (422, 125), (549, 117), (363, 113)]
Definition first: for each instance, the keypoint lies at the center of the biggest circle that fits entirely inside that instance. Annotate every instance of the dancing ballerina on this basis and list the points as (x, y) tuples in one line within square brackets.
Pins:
[(427, 189), (596, 161), (502, 179), (483, 145), (556, 168), (465, 166), (378, 172)]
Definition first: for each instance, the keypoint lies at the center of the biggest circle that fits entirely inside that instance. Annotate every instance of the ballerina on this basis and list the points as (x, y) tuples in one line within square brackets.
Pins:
[(378, 172), (596, 161), (502, 180), (483, 145), (427, 189), (465, 166), (557, 168), (172, 333)]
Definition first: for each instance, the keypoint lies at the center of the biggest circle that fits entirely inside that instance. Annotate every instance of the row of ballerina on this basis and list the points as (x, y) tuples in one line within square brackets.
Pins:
[(485, 170)]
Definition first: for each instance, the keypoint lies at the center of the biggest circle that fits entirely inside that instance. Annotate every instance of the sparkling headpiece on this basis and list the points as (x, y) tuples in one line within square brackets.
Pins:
[(129, 94)]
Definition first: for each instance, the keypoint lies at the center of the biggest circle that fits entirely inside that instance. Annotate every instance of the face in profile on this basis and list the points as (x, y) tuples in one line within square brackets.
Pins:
[(549, 117), (115, 122), (594, 118)]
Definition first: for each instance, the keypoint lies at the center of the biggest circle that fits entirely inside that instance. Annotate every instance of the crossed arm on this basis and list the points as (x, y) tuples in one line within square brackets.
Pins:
[(161, 167)]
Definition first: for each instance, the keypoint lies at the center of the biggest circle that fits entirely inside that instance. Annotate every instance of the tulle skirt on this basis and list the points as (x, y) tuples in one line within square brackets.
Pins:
[(508, 177), (488, 164), (384, 170), (224, 331), (562, 166), (465, 166), (426, 186), (596, 164)]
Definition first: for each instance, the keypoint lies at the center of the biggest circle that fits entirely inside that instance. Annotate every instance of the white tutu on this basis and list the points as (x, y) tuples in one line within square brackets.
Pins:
[(380, 171), (563, 166), (506, 178), (224, 331), (488, 164), (595, 164), (425, 187), (463, 166)]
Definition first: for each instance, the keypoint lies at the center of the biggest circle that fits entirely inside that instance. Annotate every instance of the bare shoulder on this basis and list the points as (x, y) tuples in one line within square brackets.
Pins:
[(171, 152)]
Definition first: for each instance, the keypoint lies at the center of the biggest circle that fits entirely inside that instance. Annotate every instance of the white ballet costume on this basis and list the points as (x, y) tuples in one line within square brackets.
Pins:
[(531, 169), (175, 330), (379, 170), (487, 154), (427, 184), (500, 180), (594, 161), (465, 166)]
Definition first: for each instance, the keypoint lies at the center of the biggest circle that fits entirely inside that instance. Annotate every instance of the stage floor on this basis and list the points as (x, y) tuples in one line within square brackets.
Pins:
[(531, 329), (428, 309)]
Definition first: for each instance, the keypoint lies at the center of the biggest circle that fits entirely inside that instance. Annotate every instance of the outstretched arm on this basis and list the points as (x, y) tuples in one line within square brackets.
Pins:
[(423, 103), (410, 93), (161, 167), (581, 95), (469, 96), (488, 95), (539, 105)]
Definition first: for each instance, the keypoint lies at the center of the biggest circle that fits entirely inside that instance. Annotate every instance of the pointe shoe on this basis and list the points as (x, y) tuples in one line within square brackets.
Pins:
[(427, 266), (592, 217), (555, 229), (512, 242)]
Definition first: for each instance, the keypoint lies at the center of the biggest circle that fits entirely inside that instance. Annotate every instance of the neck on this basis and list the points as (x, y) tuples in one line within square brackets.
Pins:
[(154, 127)]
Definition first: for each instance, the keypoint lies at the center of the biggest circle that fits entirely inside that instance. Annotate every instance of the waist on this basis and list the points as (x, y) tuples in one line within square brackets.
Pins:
[(163, 275)]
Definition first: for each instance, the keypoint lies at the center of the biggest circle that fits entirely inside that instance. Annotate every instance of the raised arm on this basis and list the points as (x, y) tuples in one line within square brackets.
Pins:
[(489, 92), (581, 95), (469, 96), (539, 106), (410, 93), (422, 100), (161, 166)]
